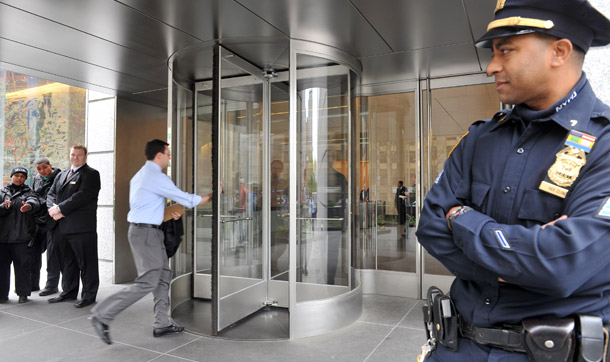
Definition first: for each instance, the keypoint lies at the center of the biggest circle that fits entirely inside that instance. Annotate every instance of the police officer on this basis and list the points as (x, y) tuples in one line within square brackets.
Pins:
[(18, 206), (520, 213)]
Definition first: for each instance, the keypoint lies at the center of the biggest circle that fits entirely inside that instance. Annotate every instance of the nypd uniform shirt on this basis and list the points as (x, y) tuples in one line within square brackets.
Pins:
[(519, 171)]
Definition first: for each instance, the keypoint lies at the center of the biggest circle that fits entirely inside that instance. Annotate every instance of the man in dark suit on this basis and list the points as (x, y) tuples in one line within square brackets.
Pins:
[(72, 201)]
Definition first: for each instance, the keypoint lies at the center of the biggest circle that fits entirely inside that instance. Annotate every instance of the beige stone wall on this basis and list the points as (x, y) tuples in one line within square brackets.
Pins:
[(597, 61)]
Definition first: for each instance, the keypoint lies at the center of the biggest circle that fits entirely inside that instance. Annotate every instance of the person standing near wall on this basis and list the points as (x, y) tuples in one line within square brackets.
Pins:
[(17, 227), (44, 240), (520, 213), (72, 202), (148, 191)]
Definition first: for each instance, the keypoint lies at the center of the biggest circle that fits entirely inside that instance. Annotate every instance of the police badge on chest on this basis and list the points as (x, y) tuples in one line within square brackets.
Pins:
[(564, 171)]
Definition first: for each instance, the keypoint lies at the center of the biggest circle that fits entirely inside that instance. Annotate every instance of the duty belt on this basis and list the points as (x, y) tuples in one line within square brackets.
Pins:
[(509, 338), (576, 338)]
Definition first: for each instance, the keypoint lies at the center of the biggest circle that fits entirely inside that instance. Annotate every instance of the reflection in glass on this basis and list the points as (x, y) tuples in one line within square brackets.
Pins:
[(390, 129), (240, 240), (279, 167), (322, 156), (204, 182), (453, 111)]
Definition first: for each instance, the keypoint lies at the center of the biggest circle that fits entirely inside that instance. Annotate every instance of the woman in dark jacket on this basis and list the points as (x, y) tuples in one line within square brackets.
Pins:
[(17, 229)]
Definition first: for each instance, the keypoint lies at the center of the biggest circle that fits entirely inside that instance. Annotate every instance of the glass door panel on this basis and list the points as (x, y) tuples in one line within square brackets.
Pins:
[(322, 179), (241, 283), (392, 126), (203, 186), (279, 182), (463, 106)]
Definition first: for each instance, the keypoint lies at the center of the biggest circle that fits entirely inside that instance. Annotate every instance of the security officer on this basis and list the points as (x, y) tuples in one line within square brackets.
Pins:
[(520, 213), (18, 205), (44, 238)]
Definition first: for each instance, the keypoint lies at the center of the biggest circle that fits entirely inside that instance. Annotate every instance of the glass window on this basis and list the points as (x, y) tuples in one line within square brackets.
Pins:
[(453, 111), (386, 217), (390, 198), (323, 174)]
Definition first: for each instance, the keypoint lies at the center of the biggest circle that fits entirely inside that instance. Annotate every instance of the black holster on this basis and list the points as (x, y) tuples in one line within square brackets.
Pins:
[(441, 319)]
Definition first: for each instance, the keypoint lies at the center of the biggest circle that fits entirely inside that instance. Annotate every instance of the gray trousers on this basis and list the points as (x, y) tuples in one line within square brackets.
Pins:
[(154, 276)]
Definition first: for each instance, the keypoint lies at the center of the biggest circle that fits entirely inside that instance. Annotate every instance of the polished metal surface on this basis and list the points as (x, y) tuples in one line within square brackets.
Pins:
[(180, 290), (387, 282), (322, 316), (336, 23), (414, 24), (123, 47), (239, 299)]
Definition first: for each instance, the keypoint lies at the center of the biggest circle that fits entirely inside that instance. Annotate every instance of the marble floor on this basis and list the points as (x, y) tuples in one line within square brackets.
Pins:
[(390, 329)]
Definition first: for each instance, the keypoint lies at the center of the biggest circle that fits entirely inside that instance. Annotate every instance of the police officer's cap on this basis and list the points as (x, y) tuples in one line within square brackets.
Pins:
[(20, 169), (575, 20)]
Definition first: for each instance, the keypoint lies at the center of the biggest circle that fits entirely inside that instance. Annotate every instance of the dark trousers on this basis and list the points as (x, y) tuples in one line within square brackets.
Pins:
[(79, 255), (402, 213), (471, 351), (45, 240), (20, 255)]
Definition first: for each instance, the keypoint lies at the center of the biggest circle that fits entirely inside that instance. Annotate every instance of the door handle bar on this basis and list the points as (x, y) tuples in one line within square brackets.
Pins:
[(321, 218), (237, 219)]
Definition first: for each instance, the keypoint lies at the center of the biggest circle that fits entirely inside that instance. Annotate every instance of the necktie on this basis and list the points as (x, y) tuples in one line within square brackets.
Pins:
[(69, 174)]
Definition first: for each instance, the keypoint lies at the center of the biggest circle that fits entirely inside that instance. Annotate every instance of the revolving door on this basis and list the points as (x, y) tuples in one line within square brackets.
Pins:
[(278, 236)]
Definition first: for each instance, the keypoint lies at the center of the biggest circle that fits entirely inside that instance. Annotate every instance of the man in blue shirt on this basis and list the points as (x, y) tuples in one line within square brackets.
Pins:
[(521, 212), (148, 191)]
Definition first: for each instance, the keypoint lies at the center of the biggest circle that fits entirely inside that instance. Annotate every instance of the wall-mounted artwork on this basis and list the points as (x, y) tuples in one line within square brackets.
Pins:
[(39, 118)]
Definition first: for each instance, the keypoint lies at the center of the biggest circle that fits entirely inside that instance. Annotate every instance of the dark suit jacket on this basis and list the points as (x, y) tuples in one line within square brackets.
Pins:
[(77, 199)]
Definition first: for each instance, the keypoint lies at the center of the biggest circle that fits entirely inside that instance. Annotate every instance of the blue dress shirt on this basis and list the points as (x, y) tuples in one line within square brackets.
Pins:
[(148, 190)]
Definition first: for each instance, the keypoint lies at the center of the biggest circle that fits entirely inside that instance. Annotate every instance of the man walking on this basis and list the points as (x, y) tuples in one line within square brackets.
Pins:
[(72, 202), (148, 191)]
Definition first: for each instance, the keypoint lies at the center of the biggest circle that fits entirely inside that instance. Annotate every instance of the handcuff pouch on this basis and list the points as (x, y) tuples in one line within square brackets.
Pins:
[(549, 340)]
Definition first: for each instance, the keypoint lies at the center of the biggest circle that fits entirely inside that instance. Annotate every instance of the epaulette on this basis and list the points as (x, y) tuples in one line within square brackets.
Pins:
[(500, 116), (603, 117)]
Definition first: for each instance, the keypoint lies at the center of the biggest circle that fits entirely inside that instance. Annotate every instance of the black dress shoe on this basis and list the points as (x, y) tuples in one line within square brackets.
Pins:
[(23, 299), (3, 299), (174, 328), (102, 330), (48, 291), (61, 298), (83, 303)]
